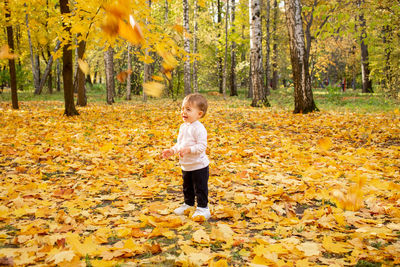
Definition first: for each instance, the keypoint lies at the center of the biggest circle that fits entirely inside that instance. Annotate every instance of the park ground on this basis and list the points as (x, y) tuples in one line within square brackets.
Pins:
[(321, 189)]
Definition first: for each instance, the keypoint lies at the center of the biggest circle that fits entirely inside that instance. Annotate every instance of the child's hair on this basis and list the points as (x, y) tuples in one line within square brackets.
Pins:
[(198, 100)]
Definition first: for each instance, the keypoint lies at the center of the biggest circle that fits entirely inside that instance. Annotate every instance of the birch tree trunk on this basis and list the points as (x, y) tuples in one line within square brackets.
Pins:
[(256, 62), (268, 49), (250, 92), (11, 62), (109, 68), (195, 82), (226, 51), (303, 96), (70, 109), (365, 71), (35, 71), (147, 67), (48, 68), (128, 78), (274, 82), (219, 57), (233, 85), (186, 66)]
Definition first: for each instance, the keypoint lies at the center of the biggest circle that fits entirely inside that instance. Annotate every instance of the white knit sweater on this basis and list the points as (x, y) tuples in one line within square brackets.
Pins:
[(193, 135)]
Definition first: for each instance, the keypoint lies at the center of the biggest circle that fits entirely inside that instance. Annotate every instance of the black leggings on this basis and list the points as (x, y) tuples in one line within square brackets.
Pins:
[(195, 183)]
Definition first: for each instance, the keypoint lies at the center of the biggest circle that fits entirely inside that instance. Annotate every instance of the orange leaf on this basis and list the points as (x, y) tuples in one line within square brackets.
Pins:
[(121, 77), (5, 53), (157, 78), (131, 32), (120, 11)]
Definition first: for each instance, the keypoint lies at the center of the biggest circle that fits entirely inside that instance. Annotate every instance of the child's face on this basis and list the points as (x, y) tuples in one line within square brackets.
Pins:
[(190, 112)]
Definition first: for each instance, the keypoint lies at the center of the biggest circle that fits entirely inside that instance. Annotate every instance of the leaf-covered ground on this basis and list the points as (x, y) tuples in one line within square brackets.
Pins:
[(295, 190)]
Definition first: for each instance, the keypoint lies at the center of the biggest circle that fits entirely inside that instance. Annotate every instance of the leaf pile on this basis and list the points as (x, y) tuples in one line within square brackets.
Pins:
[(285, 189)]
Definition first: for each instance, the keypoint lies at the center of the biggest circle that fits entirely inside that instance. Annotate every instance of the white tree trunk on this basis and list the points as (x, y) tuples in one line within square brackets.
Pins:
[(35, 69), (226, 51), (256, 62), (195, 28)]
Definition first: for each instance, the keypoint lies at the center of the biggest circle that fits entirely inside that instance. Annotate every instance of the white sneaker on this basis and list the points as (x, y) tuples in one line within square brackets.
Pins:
[(205, 212), (181, 209)]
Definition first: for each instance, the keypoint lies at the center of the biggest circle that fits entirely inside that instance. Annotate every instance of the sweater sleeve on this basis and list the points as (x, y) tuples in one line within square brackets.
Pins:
[(201, 141), (176, 146)]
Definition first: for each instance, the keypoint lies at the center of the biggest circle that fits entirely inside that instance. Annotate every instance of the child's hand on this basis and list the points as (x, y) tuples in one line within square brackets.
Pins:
[(183, 151), (167, 153)]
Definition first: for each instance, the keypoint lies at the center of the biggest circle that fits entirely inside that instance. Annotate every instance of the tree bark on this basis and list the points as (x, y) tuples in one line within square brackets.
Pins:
[(109, 67), (186, 66), (233, 85), (48, 68), (82, 100), (256, 62), (70, 109), (35, 71), (195, 62), (303, 96), (268, 48), (365, 71), (274, 81), (11, 62), (226, 51), (128, 78), (58, 76), (219, 57)]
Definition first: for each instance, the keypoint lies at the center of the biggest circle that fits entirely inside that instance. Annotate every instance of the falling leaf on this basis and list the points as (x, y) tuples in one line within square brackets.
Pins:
[(131, 32), (123, 75), (5, 53), (157, 78), (83, 66), (153, 88)]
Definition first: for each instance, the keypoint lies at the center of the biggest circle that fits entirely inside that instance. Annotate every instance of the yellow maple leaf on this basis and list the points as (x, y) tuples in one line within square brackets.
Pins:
[(200, 236), (222, 232), (334, 247), (62, 256), (310, 249), (5, 53), (324, 143)]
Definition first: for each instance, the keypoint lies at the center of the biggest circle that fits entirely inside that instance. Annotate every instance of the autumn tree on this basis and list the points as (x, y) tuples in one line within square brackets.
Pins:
[(70, 109), (365, 69), (233, 84), (109, 69), (303, 96), (11, 61), (256, 62)]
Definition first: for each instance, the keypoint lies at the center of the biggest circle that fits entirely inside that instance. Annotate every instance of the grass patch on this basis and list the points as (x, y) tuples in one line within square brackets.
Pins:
[(325, 99)]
